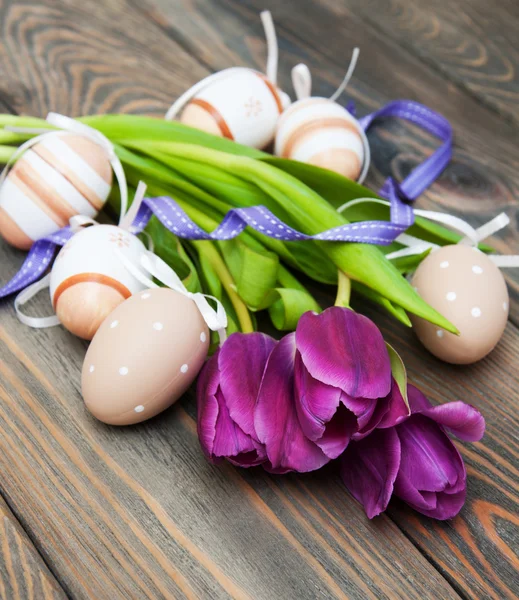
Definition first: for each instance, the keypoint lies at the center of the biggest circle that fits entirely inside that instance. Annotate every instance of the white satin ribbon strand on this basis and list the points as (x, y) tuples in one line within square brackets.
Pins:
[(27, 294), (472, 236), (216, 320)]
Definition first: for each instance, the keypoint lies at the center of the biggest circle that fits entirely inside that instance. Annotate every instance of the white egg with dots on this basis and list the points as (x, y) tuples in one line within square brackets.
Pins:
[(468, 289), (141, 369)]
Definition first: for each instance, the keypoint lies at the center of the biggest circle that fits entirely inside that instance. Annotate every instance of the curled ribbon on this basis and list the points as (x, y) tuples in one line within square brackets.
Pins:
[(215, 319)]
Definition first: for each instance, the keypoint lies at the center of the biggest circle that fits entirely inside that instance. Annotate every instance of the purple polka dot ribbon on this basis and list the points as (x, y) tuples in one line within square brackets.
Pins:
[(264, 221)]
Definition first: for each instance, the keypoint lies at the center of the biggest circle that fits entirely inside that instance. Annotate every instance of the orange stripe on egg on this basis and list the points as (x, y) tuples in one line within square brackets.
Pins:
[(10, 231), (273, 90), (51, 159), (36, 199), (61, 210), (90, 278), (220, 121), (297, 136), (93, 154)]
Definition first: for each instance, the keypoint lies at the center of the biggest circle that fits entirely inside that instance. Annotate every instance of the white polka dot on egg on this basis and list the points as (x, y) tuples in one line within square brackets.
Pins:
[(139, 409), (114, 324), (123, 371), (158, 326), (439, 333), (145, 296), (444, 264), (477, 270), (505, 306), (476, 312), (92, 368), (184, 368), (203, 337), (451, 296)]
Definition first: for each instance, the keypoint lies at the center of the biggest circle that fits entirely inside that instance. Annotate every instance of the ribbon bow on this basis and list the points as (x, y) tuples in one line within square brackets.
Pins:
[(215, 319)]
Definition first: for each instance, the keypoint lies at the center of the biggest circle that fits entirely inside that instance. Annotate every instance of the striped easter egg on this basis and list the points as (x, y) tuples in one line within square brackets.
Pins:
[(88, 278), (61, 176), (323, 133), (242, 105)]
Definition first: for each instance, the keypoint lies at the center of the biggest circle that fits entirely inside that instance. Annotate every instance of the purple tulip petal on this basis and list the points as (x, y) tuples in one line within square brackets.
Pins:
[(275, 416), (440, 505), (241, 362), (338, 433), (231, 442), (345, 350), (208, 405), (369, 469), (430, 461), (371, 418), (397, 410), (463, 420)]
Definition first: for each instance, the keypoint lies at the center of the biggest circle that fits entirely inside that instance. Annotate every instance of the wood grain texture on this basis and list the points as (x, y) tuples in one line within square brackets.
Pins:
[(23, 574), (137, 512)]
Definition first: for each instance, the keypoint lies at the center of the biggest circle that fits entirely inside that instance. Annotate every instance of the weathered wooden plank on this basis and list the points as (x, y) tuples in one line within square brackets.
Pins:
[(471, 43), (138, 512), (469, 550), (139, 509), (23, 573)]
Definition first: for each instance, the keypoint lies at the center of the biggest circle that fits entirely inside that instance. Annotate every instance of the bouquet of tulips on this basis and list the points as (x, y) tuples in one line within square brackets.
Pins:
[(331, 390)]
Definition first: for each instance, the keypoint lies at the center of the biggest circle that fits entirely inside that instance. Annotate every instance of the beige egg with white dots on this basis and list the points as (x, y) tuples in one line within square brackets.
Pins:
[(144, 357), (467, 288)]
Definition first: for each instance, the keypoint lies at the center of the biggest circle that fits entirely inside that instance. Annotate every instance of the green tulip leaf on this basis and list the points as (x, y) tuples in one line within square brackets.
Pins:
[(399, 373)]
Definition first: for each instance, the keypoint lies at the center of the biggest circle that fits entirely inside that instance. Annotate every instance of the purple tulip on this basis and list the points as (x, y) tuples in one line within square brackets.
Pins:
[(414, 459), (323, 385), (227, 390)]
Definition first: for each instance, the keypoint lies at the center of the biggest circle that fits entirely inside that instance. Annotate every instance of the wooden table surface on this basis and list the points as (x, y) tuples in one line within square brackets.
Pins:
[(91, 511)]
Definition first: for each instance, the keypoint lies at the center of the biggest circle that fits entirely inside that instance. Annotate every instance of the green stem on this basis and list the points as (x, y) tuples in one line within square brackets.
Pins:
[(343, 290), (5, 153), (220, 268)]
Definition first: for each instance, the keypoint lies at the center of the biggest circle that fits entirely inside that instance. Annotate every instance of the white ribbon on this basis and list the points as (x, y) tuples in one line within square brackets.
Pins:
[(63, 124), (472, 236), (24, 297), (216, 320), (271, 70)]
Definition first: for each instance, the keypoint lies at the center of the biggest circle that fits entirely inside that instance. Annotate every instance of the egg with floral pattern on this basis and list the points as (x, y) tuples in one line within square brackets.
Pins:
[(467, 288), (89, 279), (144, 356)]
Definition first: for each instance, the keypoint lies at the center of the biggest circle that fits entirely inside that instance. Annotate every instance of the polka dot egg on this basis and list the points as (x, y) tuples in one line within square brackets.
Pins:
[(145, 355), (467, 288)]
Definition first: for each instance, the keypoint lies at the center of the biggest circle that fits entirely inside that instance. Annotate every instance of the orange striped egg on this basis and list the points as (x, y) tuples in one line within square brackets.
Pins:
[(323, 133), (88, 278), (61, 176), (242, 105)]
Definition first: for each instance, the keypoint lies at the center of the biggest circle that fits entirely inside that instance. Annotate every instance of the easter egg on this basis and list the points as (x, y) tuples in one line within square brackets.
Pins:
[(88, 278), (61, 176), (144, 357), (319, 131), (467, 288), (242, 105)]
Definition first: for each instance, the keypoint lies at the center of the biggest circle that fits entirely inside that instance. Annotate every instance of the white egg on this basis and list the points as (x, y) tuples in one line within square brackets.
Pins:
[(61, 176), (88, 278)]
